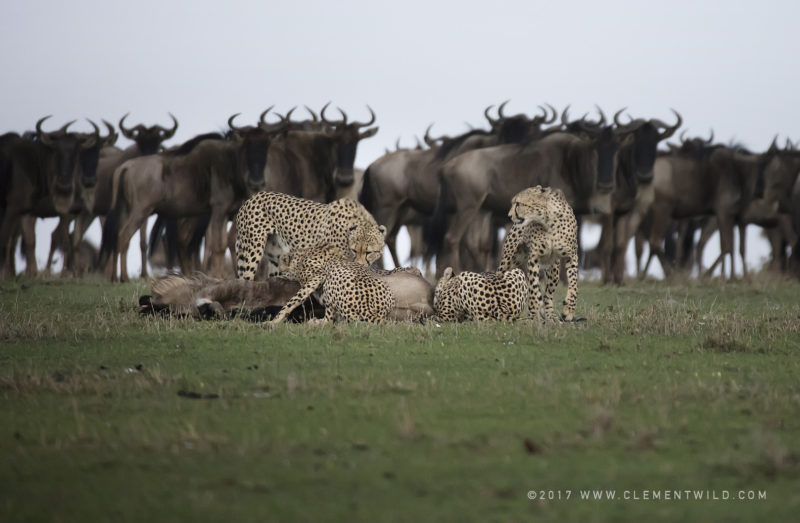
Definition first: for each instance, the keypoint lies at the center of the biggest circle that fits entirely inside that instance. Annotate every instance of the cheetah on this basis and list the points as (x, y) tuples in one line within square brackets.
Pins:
[(293, 223), (349, 290), (480, 296), (543, 232)]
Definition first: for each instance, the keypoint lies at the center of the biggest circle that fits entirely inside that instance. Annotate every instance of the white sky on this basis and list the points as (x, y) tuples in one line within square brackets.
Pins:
[(723, 64)]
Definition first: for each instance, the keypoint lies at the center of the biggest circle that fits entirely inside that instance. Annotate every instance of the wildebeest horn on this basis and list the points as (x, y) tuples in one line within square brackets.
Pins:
[(397, 144), (370, 122), (127, 133), (169, 133), (565, 116), (112, 137), (233, 127), (616, 118), (428, 140), (314, 116), (602, 115), (789, 145), (65, 127), (489, 118), (43, 136), (330, 122), (419, 144), (773, 147), (553, 117), (261, 121), (669, 130), (500, 109), (289, 114), (91, 141), (710, 138)]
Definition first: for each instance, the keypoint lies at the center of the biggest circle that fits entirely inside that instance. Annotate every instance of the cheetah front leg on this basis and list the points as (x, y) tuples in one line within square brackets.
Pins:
[(301, 296), (534, 292), (571, 299), (551, 274)]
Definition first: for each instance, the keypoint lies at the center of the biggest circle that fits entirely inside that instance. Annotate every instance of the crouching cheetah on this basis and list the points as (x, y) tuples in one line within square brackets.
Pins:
[(295, 223), (349, 290), (480, 296), (544, 232)]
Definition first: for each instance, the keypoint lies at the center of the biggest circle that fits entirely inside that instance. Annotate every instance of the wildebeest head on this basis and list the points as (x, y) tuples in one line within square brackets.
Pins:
[(148, 139), (518, 128), (254, 142), (779, 174), (348, 135), (90, 154), (646, 135), (65, 148)]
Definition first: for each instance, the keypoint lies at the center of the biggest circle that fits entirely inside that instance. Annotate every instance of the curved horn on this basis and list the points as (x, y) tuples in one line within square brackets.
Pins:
[(92, 140), (602, 115), (127, 133), (553, 117), (669, 130), (43, 136), (489, 118), (344, 115), (710, 138), (682, 136), (314, 116), (397, 144), (330, 122), (773, 147), (261, 120), (370, 122), (419, 144), (233, 127), (500, 109), (565, 116), (65, 127), (616, 117), (169, 133), (428, 140), (112, 137), (288, 117)]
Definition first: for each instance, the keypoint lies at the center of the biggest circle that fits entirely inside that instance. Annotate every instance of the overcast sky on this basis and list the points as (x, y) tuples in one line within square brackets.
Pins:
[(726, 65)]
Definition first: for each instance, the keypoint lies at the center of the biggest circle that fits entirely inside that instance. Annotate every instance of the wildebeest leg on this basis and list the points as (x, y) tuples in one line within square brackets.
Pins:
[(708, 230), (301, 296), (658, 233), (232, 245), (9, 229), (217, 241), (476, 243), (606, 245), (457, 227), (571, 299), (56, 241), (135, 220), (726, 244), (742, 241), (143, 248), (28, 224)]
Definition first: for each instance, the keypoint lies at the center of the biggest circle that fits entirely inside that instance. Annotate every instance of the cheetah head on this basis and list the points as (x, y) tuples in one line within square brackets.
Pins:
[(365, 242), (531, 206)]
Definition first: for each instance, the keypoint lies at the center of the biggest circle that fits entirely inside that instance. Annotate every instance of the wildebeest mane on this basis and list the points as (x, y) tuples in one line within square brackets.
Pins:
[(453, 143), (188, 146), (580, 170)]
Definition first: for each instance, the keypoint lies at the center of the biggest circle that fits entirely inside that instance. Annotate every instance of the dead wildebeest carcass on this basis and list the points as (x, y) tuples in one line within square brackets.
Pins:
[(204, 297)]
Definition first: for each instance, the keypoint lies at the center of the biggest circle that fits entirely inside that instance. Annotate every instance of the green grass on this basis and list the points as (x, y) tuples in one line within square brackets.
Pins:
[(667, 386)]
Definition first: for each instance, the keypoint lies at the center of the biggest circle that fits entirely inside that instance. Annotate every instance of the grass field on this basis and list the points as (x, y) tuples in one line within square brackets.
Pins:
[(669, 386)]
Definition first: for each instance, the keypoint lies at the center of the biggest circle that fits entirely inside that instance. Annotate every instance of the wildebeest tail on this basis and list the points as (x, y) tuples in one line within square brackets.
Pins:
[(110, 236), (434, 228), (365, 196)]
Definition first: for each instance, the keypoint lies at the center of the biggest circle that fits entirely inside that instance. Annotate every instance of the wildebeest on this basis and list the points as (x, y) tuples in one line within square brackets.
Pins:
[(206, 176), (633, 193), (700, 179), (485, 180), (402, 188), (41, 178)]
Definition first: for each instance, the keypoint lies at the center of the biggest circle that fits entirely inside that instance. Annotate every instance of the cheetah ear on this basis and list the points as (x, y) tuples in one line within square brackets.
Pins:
[(447, 274), (382, 229)]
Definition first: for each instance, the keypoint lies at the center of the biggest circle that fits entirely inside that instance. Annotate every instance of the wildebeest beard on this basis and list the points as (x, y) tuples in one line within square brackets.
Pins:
[(255, 159), (645, 144), (345, 160)]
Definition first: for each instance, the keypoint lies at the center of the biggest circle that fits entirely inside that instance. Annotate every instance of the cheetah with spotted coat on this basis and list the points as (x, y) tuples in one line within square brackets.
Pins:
[(292, 223), (349, 290), (544, 232), (480, 296)]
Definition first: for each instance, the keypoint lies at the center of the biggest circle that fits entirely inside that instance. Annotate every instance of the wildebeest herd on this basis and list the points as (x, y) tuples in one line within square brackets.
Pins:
[(453, 193)]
